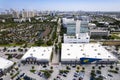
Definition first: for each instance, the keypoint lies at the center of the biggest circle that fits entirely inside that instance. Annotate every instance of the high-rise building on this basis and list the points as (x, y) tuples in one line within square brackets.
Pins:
[(31, 14), (7, 12), (15, 14), (27, 14), (24, 14)]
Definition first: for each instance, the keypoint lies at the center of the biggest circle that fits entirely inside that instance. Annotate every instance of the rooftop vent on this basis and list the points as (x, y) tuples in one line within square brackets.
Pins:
[(44, 50), (42, 54), (67, 49), (33, 50), (81, 49), (99, 54), (95, 49), (68, 54), (109, 56), (83, 54)]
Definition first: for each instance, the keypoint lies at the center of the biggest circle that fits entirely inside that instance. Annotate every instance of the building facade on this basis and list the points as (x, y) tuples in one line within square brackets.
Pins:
[(77, 31), (99, 33), (37, 55)]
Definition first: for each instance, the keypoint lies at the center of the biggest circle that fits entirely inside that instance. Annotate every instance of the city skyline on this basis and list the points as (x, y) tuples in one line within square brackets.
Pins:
[(62, 5)]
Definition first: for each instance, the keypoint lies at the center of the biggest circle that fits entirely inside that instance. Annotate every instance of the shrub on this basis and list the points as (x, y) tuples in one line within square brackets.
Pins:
[(67, 67), (14, 75), (47, 74), (113, 71), (32, 71), (93, 73), (11, 74)]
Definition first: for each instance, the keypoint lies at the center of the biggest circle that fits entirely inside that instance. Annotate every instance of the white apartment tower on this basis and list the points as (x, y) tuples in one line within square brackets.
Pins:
[(24, 14), (15, 14), (27, 14)]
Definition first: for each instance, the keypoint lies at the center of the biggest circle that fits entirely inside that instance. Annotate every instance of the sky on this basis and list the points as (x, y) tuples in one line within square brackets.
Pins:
[(62, 5)]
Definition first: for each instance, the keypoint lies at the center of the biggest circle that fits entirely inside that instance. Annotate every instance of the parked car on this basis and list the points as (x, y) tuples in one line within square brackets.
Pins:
[(39, 73), (58, 77), (64, 75), (73, 66), (73, 79), (60, 73), (75, 75), (110, 75), (22, 75), (44, 66), (1, 78), (102, 66)]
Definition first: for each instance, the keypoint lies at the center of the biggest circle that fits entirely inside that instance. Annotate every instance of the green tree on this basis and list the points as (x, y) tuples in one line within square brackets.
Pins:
[(83, 68), (117, 69), (67, 67), (51, 67), (78, 67), (33, 67), (39, 42), (93, 73), (49, 43), (47, 74), (99, 67), (93, 67)]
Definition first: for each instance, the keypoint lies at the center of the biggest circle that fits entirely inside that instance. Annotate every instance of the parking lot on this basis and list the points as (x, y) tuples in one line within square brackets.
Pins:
[(69, 74)]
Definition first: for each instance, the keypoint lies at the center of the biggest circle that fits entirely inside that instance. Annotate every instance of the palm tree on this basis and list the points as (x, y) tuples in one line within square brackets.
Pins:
[(99, 67), (117, 69), (93, 67), (83, 68), (111, 67), (33, 67), (78, 67), (51, 67)]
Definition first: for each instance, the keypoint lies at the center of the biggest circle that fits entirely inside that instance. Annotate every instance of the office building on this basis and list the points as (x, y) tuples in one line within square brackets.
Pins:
[(77, 31), (99, 33)]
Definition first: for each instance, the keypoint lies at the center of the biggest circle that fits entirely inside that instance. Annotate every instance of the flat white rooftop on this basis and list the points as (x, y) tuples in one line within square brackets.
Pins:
[(72, 51), (4, 63), (40, 53)]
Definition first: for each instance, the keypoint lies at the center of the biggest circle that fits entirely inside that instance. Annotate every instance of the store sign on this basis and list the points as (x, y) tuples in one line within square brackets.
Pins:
[(88, 60)]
